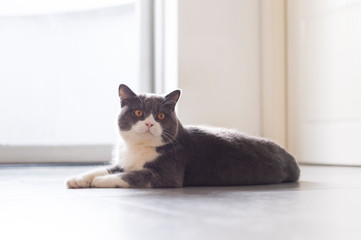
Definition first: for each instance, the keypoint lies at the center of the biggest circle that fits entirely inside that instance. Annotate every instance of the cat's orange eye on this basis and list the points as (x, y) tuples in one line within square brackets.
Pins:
[(161, 116), (138, 113)]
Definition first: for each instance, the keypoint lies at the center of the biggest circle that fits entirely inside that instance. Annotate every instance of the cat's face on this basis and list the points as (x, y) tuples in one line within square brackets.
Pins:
[(147, 119)]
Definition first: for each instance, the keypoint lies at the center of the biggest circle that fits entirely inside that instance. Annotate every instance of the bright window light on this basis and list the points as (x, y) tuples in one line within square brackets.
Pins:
[(61, 63)]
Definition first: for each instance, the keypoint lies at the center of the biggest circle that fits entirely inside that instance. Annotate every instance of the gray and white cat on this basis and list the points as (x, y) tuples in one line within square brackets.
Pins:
[(157, 151)]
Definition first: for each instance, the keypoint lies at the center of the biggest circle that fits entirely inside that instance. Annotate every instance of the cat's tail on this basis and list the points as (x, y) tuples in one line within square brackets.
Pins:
[(292, 169)]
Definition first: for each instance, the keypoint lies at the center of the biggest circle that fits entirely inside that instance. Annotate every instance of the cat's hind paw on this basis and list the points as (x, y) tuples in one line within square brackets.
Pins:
[(78, 182)]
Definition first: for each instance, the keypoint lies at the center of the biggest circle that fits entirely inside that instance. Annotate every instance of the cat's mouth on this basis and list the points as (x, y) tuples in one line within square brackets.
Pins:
[(148, 132)]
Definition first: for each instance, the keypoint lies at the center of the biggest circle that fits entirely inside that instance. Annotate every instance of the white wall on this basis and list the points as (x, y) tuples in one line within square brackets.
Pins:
[(274, 70), (219, 63)]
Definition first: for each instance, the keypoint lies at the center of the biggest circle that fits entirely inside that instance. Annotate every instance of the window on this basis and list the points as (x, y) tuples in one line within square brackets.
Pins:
[(61, 64)]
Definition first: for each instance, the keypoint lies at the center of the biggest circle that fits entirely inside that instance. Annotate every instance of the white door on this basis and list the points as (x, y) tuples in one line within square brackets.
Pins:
[(324, 81)]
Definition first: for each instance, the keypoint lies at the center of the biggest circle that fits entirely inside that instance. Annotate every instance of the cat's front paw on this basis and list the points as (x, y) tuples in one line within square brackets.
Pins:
[(110, 181), (100, 182), (78, 182)]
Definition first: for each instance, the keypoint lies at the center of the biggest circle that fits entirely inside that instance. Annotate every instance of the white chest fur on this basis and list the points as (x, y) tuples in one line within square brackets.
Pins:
[(133, 157)]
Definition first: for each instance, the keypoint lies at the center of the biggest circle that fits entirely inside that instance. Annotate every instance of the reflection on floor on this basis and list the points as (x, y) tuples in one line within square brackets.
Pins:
[(325, 204)]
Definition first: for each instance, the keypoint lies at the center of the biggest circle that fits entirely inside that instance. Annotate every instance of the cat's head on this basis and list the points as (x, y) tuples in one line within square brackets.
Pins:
[(147, 119)]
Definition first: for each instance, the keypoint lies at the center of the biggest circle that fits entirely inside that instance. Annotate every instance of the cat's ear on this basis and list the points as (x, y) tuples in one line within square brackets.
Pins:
[(173, 97), (125, 92)]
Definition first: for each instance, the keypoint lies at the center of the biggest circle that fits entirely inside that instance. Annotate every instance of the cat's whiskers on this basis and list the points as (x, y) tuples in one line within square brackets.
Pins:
[(157, 131), (171, 140), (170, 135)]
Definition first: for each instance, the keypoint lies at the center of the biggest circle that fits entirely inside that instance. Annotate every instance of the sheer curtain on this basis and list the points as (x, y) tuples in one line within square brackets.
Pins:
[(60, 69)]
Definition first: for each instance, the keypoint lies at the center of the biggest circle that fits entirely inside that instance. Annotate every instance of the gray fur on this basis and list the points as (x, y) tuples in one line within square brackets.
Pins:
[(115, 169), (195, 156)]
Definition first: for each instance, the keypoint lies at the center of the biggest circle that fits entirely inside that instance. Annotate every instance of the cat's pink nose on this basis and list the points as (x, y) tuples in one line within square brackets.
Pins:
[(149, 125)]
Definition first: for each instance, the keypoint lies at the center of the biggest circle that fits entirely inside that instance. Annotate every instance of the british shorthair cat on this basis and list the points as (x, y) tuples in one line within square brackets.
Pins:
[(157, 151)]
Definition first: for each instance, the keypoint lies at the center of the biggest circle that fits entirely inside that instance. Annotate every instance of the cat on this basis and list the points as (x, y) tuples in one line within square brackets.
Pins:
[(157, 151)]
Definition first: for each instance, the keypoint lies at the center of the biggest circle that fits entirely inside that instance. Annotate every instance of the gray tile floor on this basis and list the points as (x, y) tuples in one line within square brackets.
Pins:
[(325, 204)]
